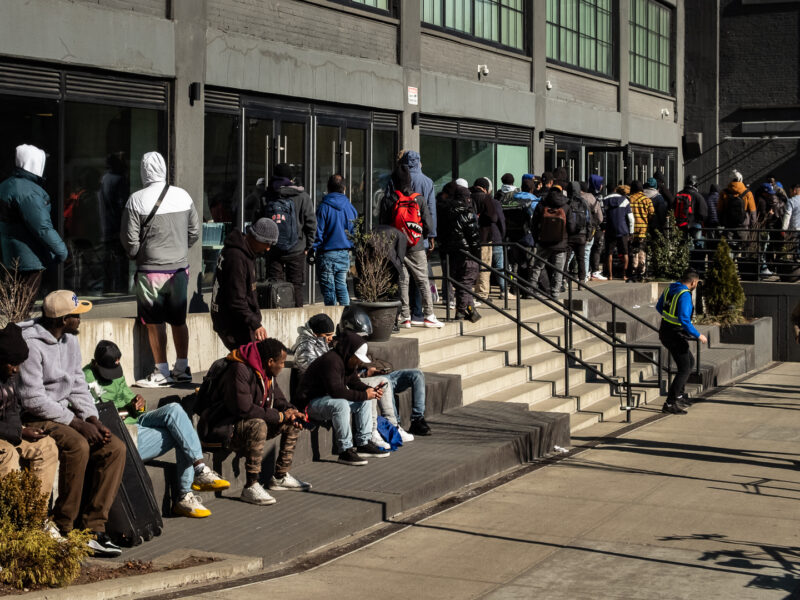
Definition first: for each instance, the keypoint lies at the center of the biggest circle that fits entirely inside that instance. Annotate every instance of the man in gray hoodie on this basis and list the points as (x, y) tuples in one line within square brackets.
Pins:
[(158, 238), (55, 399)]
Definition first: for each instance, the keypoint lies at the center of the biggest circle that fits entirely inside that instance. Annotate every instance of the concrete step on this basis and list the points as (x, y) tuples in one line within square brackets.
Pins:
[(470, 364), (433, 352), (481, 385)]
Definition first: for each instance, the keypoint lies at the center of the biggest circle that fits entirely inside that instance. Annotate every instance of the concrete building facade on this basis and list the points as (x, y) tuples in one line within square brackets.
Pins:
[(226, 89)]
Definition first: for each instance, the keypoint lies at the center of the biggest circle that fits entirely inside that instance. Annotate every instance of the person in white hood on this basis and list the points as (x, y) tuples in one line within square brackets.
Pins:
[(27, 234), (159, 225)]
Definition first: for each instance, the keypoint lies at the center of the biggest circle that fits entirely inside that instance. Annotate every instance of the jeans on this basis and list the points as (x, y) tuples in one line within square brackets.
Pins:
[(165, 428), (587, 255), (333, 266), (410, 378), (338, 410), (554, 257), (497, 263), (386, 403)]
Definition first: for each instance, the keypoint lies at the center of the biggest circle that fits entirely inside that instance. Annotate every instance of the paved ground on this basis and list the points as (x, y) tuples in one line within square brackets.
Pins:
[(701, 506)]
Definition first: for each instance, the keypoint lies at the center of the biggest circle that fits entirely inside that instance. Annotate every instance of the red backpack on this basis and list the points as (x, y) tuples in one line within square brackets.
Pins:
[(684, 209), (407, 217)]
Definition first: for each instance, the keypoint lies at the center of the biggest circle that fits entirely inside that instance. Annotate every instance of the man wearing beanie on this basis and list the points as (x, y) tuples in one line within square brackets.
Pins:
[(56, 398), (31, 444), (283, 201), (235, 314), (313, 340)]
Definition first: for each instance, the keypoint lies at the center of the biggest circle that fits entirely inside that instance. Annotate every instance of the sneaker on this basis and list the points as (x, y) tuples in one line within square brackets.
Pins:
[(370, 449), (432, 321), (255, 494), (102, 546), (208, 481), (417, 322), (476, 303), (154, 380), (452, 304), (190, 506), (182, 377), (404, 435), (288, 483), (379, 441), (405, 323), (599, 276), (419, 427), (52, 529), (683, 401), (351, 457), (765, 270), (672, 408)]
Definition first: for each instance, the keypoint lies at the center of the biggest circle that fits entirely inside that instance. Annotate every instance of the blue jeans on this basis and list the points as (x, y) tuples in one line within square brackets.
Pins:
[(414, 379), (337, 411), (333, 266), (587, 254), (165, 428), (497, 263)]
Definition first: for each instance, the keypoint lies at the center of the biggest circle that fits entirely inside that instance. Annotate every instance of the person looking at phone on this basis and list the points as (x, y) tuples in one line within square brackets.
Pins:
[(331, 390), (241, 407), (32, 445), (56, 399), (157, 431)]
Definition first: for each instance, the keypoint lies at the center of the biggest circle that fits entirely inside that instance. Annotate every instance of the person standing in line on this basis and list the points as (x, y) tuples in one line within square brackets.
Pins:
[(159, 225), (491, 228), (619, 225), (642, 209), (676, 309), (336, 218), (596, 184)]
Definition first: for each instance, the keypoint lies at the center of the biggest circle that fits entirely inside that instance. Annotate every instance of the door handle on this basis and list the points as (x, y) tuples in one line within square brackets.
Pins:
[(333, 157), (267, 150), (286, 149)]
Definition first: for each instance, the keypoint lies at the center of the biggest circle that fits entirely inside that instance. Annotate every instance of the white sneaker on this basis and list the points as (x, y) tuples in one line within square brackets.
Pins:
[(765, 270), (599, 276), (208, 481), (288, 483), (190, 506), (452, 304), (255, 494), (379, 441), (432, 321), (404, 435), (404, 323), (154, 380), (52, 529), (477, 303), (184, 376)]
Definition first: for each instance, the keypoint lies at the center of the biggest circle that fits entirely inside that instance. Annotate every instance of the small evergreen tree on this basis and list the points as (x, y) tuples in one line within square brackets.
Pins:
[(669, 251), (722, 291)]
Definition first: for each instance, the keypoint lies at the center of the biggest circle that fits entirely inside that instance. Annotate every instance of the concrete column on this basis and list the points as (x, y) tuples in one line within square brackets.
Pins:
[(188, 124), (538, 34), (624, 75), (409, 56), (677, 68)]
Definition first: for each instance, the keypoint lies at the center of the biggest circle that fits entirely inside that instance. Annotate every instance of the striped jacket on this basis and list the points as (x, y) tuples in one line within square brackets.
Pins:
[(642, 208)]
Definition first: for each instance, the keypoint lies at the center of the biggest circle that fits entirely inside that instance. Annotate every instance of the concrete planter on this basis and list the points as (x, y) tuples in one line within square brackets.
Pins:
[(757, 334)]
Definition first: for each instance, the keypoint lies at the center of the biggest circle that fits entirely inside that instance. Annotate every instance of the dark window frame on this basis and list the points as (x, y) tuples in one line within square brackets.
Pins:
[(613, 43), (391, 11), (671, 44), (525, 11)]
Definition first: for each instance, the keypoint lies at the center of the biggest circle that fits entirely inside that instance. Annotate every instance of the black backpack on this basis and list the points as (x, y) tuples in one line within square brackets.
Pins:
[(579, 218), (734, 211), (282, 211)]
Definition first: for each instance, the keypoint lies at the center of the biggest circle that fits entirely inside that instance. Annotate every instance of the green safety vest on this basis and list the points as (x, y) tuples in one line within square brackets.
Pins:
[(669, 308)]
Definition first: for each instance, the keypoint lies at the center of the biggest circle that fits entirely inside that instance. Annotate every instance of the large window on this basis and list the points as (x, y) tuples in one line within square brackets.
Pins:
[(379, 4), (498, 21), (580, 34), (651, 48)]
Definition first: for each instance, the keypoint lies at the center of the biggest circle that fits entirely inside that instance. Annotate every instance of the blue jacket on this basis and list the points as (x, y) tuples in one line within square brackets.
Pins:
[(684, 310), (335, 220), (421, 184), (26, 230)]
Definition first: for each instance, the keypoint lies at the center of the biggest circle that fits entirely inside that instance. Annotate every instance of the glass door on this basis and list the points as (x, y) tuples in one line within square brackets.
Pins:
[(341, 148)]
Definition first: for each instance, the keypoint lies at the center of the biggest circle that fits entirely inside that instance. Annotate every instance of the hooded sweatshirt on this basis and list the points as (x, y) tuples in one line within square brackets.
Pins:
[(306, 219), (422, 184), (308, 348), (554, 199), (659, 219), (619, 218), (51, 382), (329, 375), (684, 309), (234, 300), (596, 184), (174, 229), (736, 188), (26, 230), (336, 218)]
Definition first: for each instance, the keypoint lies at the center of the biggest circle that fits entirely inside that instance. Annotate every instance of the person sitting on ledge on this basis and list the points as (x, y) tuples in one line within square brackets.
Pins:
[(157, 431), (330, 390), (241, 407)]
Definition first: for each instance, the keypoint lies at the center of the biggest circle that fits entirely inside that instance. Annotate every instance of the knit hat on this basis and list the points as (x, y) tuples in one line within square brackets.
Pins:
[(282, 170), (651, 183), (462, 182), (321, 323), (106, 360), (62, 303), (13, 348), (264, 231), (737, 176)]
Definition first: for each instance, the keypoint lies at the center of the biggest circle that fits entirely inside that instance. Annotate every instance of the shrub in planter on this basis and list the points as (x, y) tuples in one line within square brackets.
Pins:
[(669, 251), (30, 556), (722, 291)]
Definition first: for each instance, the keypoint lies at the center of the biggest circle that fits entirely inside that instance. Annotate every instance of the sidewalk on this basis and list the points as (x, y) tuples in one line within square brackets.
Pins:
[(705, 505)]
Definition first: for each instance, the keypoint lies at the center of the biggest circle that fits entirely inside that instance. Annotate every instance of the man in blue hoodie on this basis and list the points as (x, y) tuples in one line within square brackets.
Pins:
[(676, 309), (336, 218)]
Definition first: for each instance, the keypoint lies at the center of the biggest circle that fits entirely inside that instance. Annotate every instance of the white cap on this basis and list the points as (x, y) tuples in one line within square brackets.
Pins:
[(361, 354), (462, 182), (261, 181)]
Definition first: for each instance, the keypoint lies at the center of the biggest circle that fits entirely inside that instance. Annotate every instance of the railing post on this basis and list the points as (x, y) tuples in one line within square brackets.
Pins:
[(613, 338), (507, 273), (697, 365), (569, 309), (446, 285), (628, 399), (519, 329)]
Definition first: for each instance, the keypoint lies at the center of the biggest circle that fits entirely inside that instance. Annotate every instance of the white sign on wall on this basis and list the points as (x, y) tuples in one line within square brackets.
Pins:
[(413, 96)]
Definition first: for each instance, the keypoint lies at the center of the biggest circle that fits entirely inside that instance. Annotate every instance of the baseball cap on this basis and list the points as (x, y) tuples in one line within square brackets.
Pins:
[(462, 182), (106, 360), (62, 303), (361, 354), (264, 230)]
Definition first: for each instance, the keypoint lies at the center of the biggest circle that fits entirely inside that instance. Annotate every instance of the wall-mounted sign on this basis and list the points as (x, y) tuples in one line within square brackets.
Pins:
[(413, 96)]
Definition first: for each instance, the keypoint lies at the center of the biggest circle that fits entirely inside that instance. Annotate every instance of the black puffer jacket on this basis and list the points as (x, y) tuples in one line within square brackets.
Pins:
[(234, 301), (458, 227), (10, 423)]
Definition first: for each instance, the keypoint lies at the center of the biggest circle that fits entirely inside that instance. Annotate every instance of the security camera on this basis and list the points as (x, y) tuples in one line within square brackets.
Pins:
[(483, 70), (664, 113), (548, 85)]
